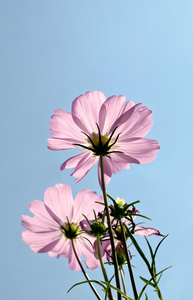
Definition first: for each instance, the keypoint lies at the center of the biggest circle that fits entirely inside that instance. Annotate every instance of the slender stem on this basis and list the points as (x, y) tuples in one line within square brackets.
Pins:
[(83, 271), (158, 291), (123, 281), (128, 261), (110, 230), (103, 267)]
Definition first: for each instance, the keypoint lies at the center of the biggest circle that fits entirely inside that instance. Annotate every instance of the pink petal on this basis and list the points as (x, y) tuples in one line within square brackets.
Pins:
[(85, 203), (63, 144), (85, 225), (85, 111), (128, 105), (73, 161), (146, 231), (62, 248), (139, 124), (37, 225), (111, 109), (84, 165), (73, 263), (142, 149), (37, 207), (105, 248), (62, 126), (127, 116), (119, 161), (116, 163), (87, 250), (136, 122), (123, 159), (59, 199), (41, 242)]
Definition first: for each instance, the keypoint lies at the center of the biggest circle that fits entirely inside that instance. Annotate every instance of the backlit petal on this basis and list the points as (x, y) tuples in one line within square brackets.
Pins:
[(142, 149), (85, 111)]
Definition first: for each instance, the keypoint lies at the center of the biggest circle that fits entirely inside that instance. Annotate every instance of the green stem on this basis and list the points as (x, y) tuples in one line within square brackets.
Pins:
[(114, 256), (128, 260), (83, 271), (123, 281), (103, 267), (158, 291)]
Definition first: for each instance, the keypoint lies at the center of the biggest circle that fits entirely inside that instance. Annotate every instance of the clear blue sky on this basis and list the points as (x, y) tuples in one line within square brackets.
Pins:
[(51, 52)]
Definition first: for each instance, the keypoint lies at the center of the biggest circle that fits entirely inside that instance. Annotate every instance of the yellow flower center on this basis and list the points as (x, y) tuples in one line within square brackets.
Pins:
[(95, 139), (71, 231)]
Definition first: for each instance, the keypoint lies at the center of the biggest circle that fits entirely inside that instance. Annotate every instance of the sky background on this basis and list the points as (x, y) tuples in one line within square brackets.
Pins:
[(50, 53)]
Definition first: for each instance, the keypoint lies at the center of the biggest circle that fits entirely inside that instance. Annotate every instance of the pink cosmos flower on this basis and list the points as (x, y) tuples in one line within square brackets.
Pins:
[(56, 223), (109, 127)]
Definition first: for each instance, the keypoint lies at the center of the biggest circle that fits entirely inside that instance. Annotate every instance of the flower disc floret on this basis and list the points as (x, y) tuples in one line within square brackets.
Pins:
[(71, 231), (101, 144)]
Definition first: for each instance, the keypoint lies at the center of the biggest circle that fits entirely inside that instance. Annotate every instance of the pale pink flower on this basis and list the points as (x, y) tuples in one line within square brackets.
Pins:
[(49, 229), (111, 127)]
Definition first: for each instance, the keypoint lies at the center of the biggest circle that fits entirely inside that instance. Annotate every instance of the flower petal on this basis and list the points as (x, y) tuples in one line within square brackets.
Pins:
[(62, 126), (111, 109), (37, 225), (142, 149), (116, 163), (85, 203), (62, 248), (73, 161), (87, 250), (84, 165), (146, 231), (41, 242), (136, 122), (72, 261), (62, 144), (85, 111), (37, 207), (59, 199)]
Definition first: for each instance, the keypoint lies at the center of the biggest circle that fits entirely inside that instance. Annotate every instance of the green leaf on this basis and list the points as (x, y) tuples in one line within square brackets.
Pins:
[(138, 215), (116, 289), (100, 203), (132, 203), (86, 219), (139, 249), (86, 281), (110, 197), (159, 245), (152, 256), (147, 281)]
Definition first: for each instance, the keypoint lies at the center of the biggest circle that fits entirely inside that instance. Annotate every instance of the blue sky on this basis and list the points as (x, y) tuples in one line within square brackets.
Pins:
[(53, 51)]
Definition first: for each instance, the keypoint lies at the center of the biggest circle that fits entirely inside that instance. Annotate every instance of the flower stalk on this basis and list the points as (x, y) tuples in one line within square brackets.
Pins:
[(114, 256), (103, 267), (123, 280), (128, 261), (85, 274)]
